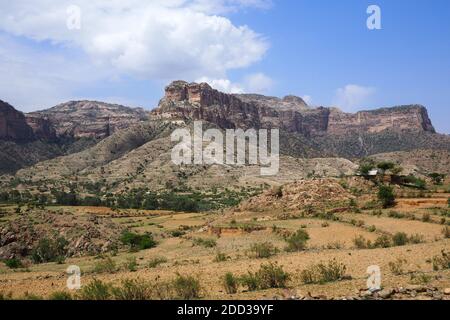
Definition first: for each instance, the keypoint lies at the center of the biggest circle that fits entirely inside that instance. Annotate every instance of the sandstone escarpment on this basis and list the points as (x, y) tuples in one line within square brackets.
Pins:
[(13, 125), (42, 127), (192, 101), (90, 119)]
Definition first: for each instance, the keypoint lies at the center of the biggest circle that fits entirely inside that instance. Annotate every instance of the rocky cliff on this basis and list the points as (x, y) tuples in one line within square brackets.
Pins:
[(88, 119), (192, 101), (13, 125)]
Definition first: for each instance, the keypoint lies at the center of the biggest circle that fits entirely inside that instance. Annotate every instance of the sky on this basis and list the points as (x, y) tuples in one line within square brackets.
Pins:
[(322, 50)]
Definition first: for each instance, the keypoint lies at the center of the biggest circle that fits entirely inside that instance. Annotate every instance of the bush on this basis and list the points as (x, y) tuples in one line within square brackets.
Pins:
[(383, 241), (362, 243), (416, 238), (106, 265), (297, 241), (397, 266), (250, 281), (272, 275), (207, 243), (186, 287), (49, 250), (426, 217), (138, 242), (131, 264), (230, 283), (446, 232), (96, 290), (386, 196), (263, 250), (132, 290), (155, 262), (13, 263), (322, 273), (441, 262), (221, 257), (61, 296), (400, 239), (268, 276)]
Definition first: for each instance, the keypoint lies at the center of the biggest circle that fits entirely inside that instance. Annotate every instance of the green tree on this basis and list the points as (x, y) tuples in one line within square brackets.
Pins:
[(386, 196)]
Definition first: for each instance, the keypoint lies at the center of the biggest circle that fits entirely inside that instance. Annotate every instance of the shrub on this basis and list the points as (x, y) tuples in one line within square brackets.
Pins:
[(96, 290), (420, 278), (383, 241), (446, 232), (220, 257), (13, 263), (263, 250), (386, 196), (416, 238), (362, 243), (230, 283), (61, 295), (372, 228), (297, 241), (272, 275), (268, 276), (138, 242), (186, 287), (132, 290), (131, 264), (426, 217), (441, 262), (397, 266), (155, 262), (400, 239), (106, 265), (250, 280), (49, 250), (322, 273), (207, 243)]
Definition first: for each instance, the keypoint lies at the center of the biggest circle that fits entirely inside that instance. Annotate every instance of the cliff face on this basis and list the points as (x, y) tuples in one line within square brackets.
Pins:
[(194, 101), (87, 119), (42, 127), (13, 125)]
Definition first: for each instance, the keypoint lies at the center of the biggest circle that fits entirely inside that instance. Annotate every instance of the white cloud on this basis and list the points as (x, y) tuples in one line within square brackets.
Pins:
[(156, 39), (353, 96), (252, 83), (223, 85)]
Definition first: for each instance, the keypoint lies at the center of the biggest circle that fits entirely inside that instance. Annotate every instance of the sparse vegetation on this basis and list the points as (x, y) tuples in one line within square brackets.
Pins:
[(105, 265), (155, 262), (186, 287), (207, 243), (442, 261), (386, 196), (297, 241), (138, 242), (13, 263), (323, 272), (263, 250), (230, 283), (397, 266), (49, 250), (269, 275)]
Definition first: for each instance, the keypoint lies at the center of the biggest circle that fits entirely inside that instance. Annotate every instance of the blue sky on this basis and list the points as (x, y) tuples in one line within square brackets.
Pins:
[(320, 50)]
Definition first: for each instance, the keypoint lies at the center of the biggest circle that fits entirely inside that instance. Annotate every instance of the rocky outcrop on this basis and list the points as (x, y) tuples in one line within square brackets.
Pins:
[(42, 127), (89, 119), (192, 101), (13, 125), (413, 117)]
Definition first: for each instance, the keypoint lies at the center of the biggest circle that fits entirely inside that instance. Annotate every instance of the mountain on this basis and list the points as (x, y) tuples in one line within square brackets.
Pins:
[(13, 125), (93, 140), (26, 139), (192, 101), (89, 119)]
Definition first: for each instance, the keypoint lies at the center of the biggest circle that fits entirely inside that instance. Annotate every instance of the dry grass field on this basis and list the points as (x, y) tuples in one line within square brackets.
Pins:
[(227, 245)]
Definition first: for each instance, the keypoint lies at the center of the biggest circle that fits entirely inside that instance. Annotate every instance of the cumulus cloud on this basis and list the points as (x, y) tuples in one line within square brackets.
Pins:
[(353, 96), (252, 83), (158, 39)]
